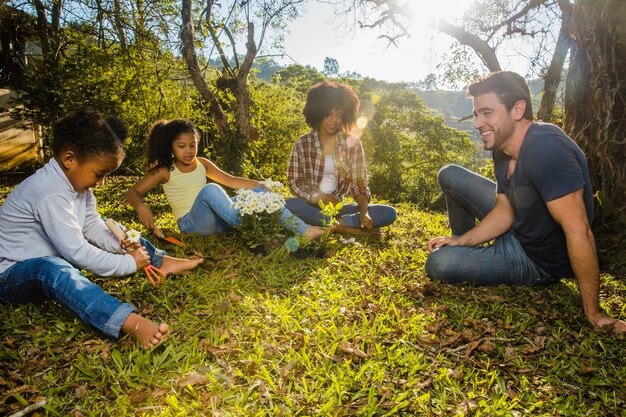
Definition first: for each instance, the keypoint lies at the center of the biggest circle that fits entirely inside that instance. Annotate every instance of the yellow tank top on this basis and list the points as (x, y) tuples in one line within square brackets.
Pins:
[(183, 187)]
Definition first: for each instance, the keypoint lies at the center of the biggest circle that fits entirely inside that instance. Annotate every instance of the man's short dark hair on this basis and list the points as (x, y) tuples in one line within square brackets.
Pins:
[(508, 86)]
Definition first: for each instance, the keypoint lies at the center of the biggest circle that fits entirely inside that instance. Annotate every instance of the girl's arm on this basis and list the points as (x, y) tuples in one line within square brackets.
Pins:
[(224, 178), (63, 229), (134, 193)]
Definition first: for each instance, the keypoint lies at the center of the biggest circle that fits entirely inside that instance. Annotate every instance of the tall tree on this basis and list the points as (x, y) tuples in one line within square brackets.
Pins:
[(222, 27), (595, 99), (487, 29)]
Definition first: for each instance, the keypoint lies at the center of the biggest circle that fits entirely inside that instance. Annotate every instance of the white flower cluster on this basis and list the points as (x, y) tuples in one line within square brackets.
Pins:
[(273, 186), (249, 202)]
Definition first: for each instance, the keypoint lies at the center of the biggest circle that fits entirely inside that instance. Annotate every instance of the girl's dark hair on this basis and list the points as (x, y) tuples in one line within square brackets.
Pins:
[(508, 86), (327, 96), (89, 134), (162, 134)]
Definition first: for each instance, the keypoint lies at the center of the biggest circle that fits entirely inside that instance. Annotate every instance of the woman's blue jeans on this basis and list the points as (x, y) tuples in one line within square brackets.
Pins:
[(382, 215), (213, 212), (470, 197), (51, 277)]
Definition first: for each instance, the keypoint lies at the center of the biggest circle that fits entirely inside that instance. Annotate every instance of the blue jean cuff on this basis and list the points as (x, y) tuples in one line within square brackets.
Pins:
[(157, 258), (114, 325), (349, 220)]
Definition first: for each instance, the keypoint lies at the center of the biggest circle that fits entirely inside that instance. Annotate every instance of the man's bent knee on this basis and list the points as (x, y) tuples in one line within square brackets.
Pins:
[(448, 173)]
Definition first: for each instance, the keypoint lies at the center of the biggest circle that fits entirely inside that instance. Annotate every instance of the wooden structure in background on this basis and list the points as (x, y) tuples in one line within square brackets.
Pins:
[(20, 141)]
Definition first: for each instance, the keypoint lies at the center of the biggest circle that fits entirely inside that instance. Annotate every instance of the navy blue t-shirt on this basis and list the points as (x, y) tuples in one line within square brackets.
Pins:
[(549, 165)]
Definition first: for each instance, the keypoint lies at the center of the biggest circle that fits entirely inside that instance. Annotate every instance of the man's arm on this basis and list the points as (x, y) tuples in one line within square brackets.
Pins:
[(497, 222), (569, 211)]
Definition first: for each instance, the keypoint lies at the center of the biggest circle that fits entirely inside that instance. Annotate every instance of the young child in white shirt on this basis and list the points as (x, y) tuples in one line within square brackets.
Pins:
[(50, 230)]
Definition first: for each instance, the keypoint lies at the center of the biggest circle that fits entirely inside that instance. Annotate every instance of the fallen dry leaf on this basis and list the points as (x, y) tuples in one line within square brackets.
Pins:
[(587, 370), (138, 397), (192, 379), (348, 348)]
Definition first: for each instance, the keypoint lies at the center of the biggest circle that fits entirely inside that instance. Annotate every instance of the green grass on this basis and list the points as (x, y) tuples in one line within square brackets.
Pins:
[(361, 332)]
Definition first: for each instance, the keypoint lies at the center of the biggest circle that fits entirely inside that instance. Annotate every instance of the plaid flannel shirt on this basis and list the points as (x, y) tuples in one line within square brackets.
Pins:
[(306, 167)]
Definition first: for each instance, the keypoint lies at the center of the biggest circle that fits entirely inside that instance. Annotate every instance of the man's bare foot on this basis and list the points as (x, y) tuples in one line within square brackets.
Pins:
[(177, 265), (314, 232), (147, 333), (341, 228)]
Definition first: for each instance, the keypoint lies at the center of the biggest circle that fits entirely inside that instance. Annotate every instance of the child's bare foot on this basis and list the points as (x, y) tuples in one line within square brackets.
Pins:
[(177, 265), (314, 232), (147, 333)]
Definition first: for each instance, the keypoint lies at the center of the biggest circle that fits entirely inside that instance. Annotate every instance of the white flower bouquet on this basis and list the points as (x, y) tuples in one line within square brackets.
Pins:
[(260, 214)]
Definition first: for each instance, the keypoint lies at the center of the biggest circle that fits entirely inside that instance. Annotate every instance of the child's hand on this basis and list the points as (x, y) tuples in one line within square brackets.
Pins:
[(128, 245), (140, 254), (158, 232), (146, 217)]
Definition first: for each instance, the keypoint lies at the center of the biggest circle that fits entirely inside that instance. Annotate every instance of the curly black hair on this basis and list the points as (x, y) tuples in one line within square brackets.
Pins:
[(162, 134), (327, 96), (89, 134)]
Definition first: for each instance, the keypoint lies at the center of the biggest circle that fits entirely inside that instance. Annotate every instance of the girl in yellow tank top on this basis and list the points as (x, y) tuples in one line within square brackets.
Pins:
[(199, 208)]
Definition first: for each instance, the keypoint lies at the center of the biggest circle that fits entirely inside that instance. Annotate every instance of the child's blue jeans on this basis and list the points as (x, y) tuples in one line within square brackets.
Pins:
[(382, 215), (213, 212), (51, 277), (470, 197)]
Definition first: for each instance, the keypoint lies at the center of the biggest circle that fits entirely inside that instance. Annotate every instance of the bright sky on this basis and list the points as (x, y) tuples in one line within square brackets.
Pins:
[(316, 36)]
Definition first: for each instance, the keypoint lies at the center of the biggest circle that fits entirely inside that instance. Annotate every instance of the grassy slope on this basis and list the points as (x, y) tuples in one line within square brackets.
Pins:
[(362, 332)]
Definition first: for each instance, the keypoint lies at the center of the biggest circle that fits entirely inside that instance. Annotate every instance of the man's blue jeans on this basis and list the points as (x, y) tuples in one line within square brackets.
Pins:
[(213, 212), (382, 215), (470, 197), (51, 277)]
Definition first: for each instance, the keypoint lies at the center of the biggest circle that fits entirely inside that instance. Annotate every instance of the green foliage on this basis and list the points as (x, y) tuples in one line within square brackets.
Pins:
[(299, 77), (140, 84), (405, 147), (277, 113)]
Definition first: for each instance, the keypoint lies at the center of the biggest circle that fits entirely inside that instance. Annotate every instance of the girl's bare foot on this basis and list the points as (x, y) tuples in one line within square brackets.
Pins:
[(147, 333), (314, 232), (177, 265)]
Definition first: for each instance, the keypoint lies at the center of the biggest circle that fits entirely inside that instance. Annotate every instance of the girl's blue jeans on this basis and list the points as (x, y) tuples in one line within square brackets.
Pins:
[(51, 277), (213, 212), (382, 215), (470, 197)]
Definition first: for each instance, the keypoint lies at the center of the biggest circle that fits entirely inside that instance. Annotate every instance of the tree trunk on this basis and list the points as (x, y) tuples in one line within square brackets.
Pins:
[(595, 113), (553, 75), (191, 58)]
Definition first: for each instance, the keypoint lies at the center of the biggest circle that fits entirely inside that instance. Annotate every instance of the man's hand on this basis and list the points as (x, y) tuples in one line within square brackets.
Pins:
[(140, 254), (606, 324), (440, 241), (366, 220)]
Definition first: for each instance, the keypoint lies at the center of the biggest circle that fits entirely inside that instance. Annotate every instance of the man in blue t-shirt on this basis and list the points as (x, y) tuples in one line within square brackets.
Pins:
[(539, 214)]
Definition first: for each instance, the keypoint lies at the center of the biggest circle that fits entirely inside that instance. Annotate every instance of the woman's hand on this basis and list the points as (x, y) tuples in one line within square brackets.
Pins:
[(327, 198), (366, 220)]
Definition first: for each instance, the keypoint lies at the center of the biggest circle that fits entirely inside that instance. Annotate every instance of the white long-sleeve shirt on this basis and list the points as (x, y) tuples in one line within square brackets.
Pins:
[(44, 216)]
